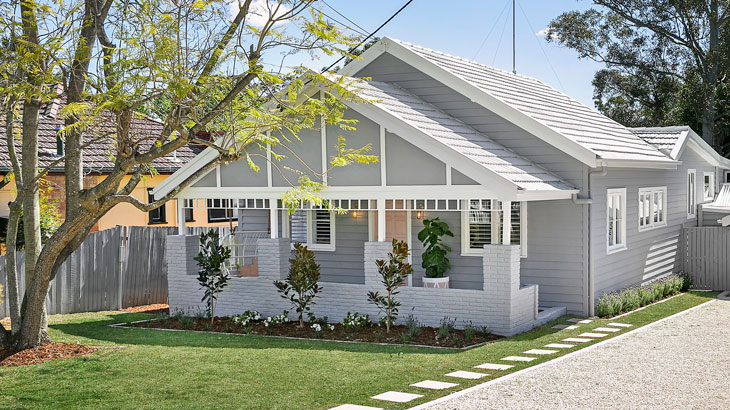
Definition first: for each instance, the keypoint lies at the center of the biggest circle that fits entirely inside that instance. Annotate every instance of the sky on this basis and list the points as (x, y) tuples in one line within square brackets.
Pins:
[(459, 27)]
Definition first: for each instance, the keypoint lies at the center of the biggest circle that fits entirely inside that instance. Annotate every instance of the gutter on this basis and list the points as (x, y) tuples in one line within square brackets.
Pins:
[(588, 200)]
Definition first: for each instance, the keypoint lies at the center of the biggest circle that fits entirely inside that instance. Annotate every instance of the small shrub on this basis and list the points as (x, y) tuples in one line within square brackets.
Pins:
[(317, 329), (322, 321), (212, 277), (686, 283), (469, 332), (485, 331), (207, 326), (404, 338), (392, 272), (612, 304), (186, 321), (446, 327), (455, 340), (356, 321), (270, 321), (412, 326), (301, 286)]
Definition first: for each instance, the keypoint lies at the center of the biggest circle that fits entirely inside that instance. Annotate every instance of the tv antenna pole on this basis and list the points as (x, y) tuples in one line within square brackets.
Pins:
[(514, 60)]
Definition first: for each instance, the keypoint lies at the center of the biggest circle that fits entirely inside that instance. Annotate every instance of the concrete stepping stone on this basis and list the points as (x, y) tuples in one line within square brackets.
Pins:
[(619, 324), (559, 346), (540, 351), (578, 320), (591, 334), (432, 384), (494, 366), (461, 374), (606, 329), (577, 339), (396, 396), (518, 359), (565, 327), (355, 407)]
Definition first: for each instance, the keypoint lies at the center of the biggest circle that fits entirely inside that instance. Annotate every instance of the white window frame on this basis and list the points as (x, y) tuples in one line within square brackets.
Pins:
[(466, 250), (331, 247), (651, 192), (610, 194), (691, 194), (712, 186)]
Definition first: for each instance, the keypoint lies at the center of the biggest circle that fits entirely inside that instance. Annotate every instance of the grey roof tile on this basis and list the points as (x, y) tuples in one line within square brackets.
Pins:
[(585, 126), (460, 137)]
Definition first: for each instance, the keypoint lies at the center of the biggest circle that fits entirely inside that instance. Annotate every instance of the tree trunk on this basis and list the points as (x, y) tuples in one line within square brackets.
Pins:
[(11, 269)]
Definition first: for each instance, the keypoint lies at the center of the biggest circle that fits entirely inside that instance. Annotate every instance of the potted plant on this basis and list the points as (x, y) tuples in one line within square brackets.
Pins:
[(434, 257)]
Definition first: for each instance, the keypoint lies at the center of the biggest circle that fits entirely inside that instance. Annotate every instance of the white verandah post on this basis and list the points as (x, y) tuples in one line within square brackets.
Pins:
[(506, 222), (273, 218), (181, 229), (381, 220)]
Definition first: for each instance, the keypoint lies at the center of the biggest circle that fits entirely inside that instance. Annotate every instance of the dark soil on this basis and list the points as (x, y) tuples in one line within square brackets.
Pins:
[(398, 334), (51, 351)]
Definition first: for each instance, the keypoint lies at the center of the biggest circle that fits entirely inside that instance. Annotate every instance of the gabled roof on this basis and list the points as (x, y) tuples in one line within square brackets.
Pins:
[(674, 140), (530, 104), (97, 156), (459, 137)]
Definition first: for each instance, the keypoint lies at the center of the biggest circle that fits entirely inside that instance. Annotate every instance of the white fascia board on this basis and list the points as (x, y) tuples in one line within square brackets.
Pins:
[(678, 149), (704, 149), (446, 154), (200, 160), (619, 163), (493, 104), (375, 51), (530, 195)]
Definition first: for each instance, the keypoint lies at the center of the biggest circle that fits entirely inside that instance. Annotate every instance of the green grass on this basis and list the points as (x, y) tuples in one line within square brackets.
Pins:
[(184, 370)]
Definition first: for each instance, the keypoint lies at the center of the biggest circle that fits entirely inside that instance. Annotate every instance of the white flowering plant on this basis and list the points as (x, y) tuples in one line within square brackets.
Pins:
[(356, 321), (317, 329), (246, 318), (275, 320)]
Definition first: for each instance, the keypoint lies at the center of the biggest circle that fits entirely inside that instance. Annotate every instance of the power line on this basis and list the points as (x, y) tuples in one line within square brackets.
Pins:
[(370, 35), (363, 33), (345, 17), (496, 21), (555, 73)]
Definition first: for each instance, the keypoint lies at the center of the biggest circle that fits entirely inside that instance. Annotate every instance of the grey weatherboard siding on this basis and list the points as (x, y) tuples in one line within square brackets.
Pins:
[(651, 253)]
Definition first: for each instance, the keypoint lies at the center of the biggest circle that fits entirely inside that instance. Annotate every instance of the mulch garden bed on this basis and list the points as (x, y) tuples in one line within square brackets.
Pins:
[(398, 334), (51, 351), (153, 309)]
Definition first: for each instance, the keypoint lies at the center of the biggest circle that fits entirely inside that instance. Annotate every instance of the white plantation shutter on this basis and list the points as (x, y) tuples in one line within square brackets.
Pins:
[(616, 219), (483, 225), (321, 227), (480, 223)]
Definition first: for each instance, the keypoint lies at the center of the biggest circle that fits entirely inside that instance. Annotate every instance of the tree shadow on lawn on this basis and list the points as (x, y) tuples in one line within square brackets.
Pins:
[(99, 330)]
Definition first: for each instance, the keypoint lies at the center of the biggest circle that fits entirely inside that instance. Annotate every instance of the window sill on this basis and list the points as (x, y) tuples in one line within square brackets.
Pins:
[(318, 248), (651, 227), (157, 223), (611, 251)]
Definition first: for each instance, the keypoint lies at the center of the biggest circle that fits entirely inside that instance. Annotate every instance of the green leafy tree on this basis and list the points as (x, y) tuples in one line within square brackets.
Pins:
[(656, 51), (200, 66), (301, 285), (392, 273), (213, 278), (434, 257)]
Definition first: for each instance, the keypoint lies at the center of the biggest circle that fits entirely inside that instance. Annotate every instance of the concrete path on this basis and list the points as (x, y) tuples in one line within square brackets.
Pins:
[(682, 362)]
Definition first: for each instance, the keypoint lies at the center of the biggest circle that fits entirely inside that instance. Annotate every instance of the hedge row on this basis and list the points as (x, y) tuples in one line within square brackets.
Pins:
[(614, 303)]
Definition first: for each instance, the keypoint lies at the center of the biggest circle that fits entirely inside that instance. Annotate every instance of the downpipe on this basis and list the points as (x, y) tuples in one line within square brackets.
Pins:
[(588, 201)]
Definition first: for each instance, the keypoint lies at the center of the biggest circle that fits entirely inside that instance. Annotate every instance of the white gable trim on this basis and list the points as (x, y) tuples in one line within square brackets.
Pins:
[(482, 98), (703, 149)]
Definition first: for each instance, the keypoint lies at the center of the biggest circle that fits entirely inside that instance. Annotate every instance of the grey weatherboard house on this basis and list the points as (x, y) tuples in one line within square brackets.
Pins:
[(552, 204)]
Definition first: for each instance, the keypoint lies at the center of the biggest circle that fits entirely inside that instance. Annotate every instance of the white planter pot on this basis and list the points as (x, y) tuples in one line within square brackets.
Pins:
[(436, 282)]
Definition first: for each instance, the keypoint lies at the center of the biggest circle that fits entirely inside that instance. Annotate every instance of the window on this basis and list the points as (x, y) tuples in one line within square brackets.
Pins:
[(189, 215), (691, 194), (652, 208), (482, 225), (709, 186), (219, 210), (314, 228), (616, 218), (156, 216)]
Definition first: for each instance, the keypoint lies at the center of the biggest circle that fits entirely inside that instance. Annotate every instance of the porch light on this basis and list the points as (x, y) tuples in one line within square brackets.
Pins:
[(356, 214), (419, 215)]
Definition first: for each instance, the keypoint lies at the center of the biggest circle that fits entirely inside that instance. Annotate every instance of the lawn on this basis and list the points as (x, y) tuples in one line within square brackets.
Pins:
[(141, 368)]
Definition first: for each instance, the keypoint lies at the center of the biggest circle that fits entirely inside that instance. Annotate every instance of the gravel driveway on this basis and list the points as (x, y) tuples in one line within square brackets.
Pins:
[(683, 362)]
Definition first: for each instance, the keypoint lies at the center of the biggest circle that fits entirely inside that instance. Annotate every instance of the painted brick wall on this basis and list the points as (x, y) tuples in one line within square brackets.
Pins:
[(504, 306)]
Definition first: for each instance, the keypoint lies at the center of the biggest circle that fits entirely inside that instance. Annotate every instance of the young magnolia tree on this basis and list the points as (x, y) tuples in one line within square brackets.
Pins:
[(201, 66)]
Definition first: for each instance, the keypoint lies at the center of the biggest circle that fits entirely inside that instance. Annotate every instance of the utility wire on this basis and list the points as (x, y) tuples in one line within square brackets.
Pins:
[(362, 33), (370, 35), (496, 21), (345, 17), (499, 43), (555, 73)]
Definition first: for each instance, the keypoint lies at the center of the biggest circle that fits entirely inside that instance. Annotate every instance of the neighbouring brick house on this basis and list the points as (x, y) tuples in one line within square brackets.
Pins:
[(97, 164)]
